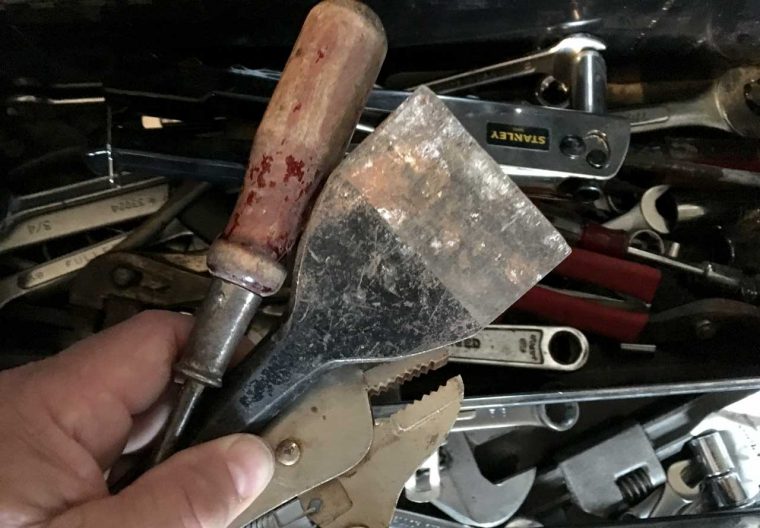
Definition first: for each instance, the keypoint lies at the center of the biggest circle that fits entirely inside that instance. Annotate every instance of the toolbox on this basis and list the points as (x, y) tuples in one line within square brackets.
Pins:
[(559, 200)]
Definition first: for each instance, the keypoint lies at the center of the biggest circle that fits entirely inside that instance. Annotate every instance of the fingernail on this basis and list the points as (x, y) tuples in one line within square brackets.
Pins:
[(251, 464)]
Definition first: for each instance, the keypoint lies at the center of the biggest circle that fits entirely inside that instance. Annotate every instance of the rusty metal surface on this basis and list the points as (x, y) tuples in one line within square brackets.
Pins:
[(445, 196), (418, 240)]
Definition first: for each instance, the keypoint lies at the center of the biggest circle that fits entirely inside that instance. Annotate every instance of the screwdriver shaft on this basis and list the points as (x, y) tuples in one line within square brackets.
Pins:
[(220, 324), (188, 397)]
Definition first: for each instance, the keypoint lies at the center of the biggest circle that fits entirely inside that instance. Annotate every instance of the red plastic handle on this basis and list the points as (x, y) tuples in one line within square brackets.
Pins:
[(595, 237), (622, 325), (615, 274)]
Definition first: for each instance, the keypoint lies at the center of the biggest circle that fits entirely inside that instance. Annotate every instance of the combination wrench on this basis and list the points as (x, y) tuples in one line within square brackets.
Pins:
[(559, 348), (731, 104), (553, 61), (44, 216)]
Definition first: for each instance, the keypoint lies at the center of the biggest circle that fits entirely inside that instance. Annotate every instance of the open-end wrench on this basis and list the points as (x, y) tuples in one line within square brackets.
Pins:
[(549, 62), (731, 104), (144, 162), (540, 347), (535, 145), (100, 208)]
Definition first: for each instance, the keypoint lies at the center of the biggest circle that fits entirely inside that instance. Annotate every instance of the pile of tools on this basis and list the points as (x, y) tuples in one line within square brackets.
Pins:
[(476, 298)]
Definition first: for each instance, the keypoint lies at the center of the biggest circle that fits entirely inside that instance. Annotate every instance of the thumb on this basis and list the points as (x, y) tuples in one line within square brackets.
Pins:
[(205, 486)]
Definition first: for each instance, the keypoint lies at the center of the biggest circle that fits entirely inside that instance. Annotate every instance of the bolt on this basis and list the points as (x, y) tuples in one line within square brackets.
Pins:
[(705, 329), (572, 146), (288, 452), (123, 277)]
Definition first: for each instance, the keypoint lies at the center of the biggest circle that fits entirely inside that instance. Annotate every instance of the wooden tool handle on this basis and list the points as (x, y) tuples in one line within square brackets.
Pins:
[(307, 125)]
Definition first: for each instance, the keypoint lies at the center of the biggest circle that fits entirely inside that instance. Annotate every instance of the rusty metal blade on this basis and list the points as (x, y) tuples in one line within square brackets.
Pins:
[(448, 201)]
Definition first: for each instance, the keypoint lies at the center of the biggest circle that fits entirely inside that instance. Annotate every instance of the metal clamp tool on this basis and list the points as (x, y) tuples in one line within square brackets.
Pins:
[(357, 480), (147, 279)]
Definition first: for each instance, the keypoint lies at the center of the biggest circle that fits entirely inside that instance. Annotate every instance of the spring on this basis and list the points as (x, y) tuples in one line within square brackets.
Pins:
[(635, 486)]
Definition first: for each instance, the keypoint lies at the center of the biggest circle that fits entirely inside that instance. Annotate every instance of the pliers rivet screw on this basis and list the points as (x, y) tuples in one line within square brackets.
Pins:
[(288, 452)]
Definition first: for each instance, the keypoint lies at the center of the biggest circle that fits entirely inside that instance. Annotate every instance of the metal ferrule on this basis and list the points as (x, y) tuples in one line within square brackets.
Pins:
[(220, 324), (246, 267)]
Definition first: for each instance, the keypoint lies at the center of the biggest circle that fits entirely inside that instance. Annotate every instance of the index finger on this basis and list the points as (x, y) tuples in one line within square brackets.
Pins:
[(93, 389)]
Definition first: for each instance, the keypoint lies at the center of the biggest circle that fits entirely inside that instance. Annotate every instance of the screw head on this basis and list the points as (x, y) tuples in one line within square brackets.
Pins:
[(288, 452)]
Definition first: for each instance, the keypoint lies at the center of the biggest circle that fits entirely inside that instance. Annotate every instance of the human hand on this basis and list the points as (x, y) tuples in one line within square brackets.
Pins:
[(65, 420)]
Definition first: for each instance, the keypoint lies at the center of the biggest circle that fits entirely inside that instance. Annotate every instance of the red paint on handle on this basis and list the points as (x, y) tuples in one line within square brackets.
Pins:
[(618, 275), (307, 125), (622, 325)]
